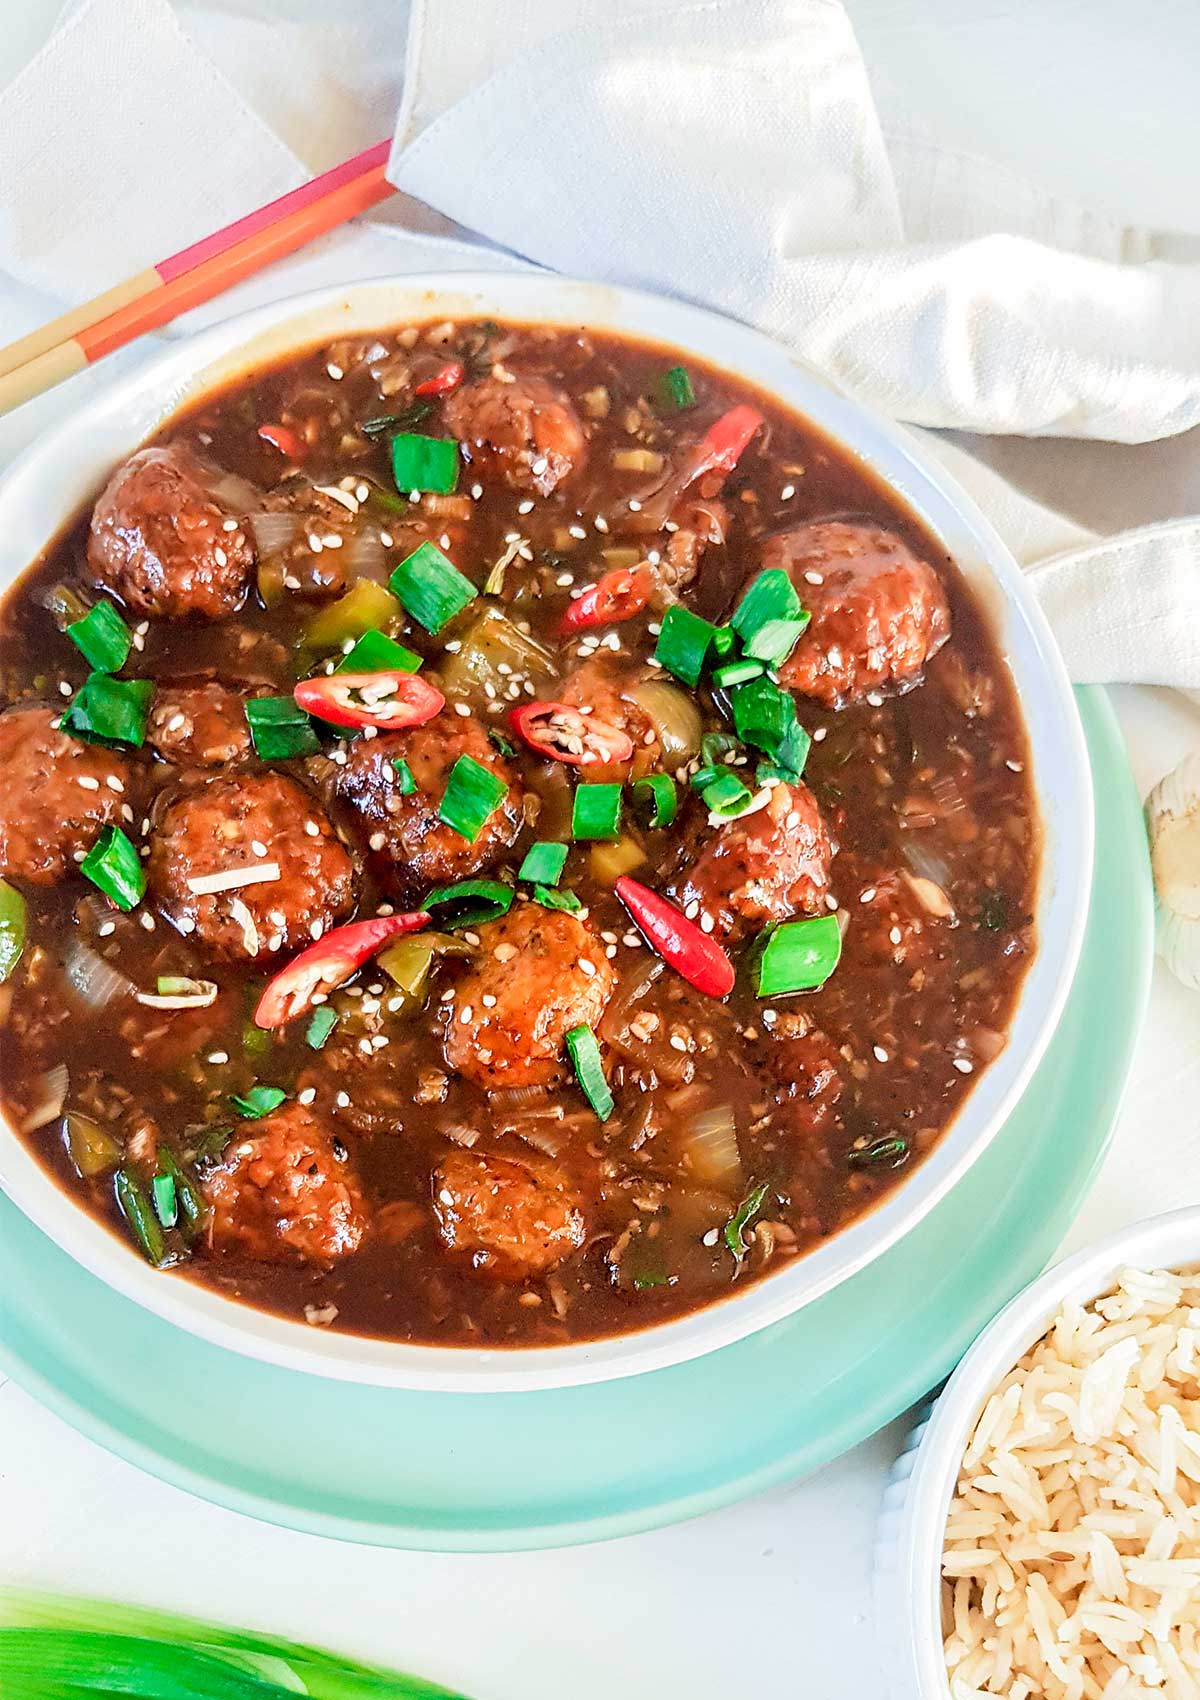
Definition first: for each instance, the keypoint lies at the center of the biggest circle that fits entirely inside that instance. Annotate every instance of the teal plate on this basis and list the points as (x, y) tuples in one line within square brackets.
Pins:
[(495, 1472)]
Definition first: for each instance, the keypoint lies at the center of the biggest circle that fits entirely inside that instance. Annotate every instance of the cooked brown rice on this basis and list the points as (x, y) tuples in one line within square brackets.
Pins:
[(1072, 1557)]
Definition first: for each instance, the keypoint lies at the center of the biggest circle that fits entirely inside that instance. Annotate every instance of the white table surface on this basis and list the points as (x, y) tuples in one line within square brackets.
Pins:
[(1096, 99)]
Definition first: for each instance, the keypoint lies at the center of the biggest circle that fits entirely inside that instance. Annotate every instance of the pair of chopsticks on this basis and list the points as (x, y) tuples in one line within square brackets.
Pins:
[(153, 297)]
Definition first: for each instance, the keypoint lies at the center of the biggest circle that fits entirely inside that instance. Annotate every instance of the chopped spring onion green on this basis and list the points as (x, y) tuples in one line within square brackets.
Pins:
[(717, 746), (771, 596), (731, 673), (658, 792), (139, 1214), (413, 414), (166, 1203), (13, 928), (765, 716), (725, 794), (705, 775), (109, 711), (648, 1278), (551, 898), (544, 863), (102, 637), (258, 1101), (470, 903), (424, 463), (472, 792), (589, 1070), (683, 643), (280, 729), (724, 642), (114, 866), (737, 1224), (405, 781), (775, 640), (375, 652), (596, 811), (673, 390), (323, 1022), (505, 745), (431, 587), (798, 956), (191, 1205), (889, 1151)]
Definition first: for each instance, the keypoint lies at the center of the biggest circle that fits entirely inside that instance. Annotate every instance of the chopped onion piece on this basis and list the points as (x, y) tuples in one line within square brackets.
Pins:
[(711, 1146), (273, 531), (54, 1084), (233, 879), (96, 980), (246, 922)]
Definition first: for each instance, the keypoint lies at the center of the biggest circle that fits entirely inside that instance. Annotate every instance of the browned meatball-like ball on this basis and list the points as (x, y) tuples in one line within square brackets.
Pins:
[(413, 846), (539, 973), (521, 430), (761, 867), (200, 725), (57, 796), (285, 1192), (879, 613), (241, 824), (517, 1218), (160, 540)]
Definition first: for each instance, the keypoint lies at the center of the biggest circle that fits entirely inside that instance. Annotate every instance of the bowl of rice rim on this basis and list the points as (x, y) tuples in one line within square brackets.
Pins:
[(1040, 1536)]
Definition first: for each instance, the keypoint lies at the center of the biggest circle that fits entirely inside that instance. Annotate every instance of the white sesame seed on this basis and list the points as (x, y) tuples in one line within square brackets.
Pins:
[(867, 896), (462, 708), (65, 687), (600, 523), (635, 507), (539, 466), (377, 840), (788, 491), (525, 507), (587, 967), (147, 920), (106, 928), (218, 1056), (693, 909), (770, 1017), (335, 372), (831, 901), (229, 525), (879, 1053), (1015, 766), (385, 537), (114, 784), (812, 577), (342, 1100), (88, 783), (631, 939), (819, 734), (576, 531), (707, 924), (258, 847), (963, 1066), (711, 1237), (476, 491), (312, 829), (307, 1096), (466, 1013), (220, 557), (314, 543)]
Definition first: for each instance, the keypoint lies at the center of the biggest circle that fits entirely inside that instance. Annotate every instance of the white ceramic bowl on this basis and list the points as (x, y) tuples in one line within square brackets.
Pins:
[(66, 467), (908, 1551)]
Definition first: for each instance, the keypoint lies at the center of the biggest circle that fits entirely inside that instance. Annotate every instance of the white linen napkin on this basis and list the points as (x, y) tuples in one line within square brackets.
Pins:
[(729, 151)]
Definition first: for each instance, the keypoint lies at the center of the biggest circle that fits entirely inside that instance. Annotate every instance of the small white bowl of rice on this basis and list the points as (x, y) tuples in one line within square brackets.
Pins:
[(1040, 1537)]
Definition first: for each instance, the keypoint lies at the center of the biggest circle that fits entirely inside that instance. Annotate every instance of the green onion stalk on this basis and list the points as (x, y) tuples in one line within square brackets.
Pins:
[(53, 1647)]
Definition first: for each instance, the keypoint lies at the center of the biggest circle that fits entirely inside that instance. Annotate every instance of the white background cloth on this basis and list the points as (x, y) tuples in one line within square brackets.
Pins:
[(1096, 104)]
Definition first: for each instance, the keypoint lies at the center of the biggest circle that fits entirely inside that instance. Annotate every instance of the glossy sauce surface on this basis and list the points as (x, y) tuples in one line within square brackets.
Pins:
[(435, 1172)]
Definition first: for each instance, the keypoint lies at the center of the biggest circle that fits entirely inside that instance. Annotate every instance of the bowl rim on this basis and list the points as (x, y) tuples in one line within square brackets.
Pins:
[(1168, 1241), (124, 413)]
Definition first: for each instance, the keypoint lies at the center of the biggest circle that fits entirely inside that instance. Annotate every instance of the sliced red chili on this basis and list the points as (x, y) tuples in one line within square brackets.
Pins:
[(283, 438), (721, 446), (563, 733), (693, 953), (448, 378), (327, 963), (392, 700), (619, 595)]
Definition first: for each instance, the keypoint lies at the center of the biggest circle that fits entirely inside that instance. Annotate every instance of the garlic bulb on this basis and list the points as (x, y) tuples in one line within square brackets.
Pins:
[(1173, 822)]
